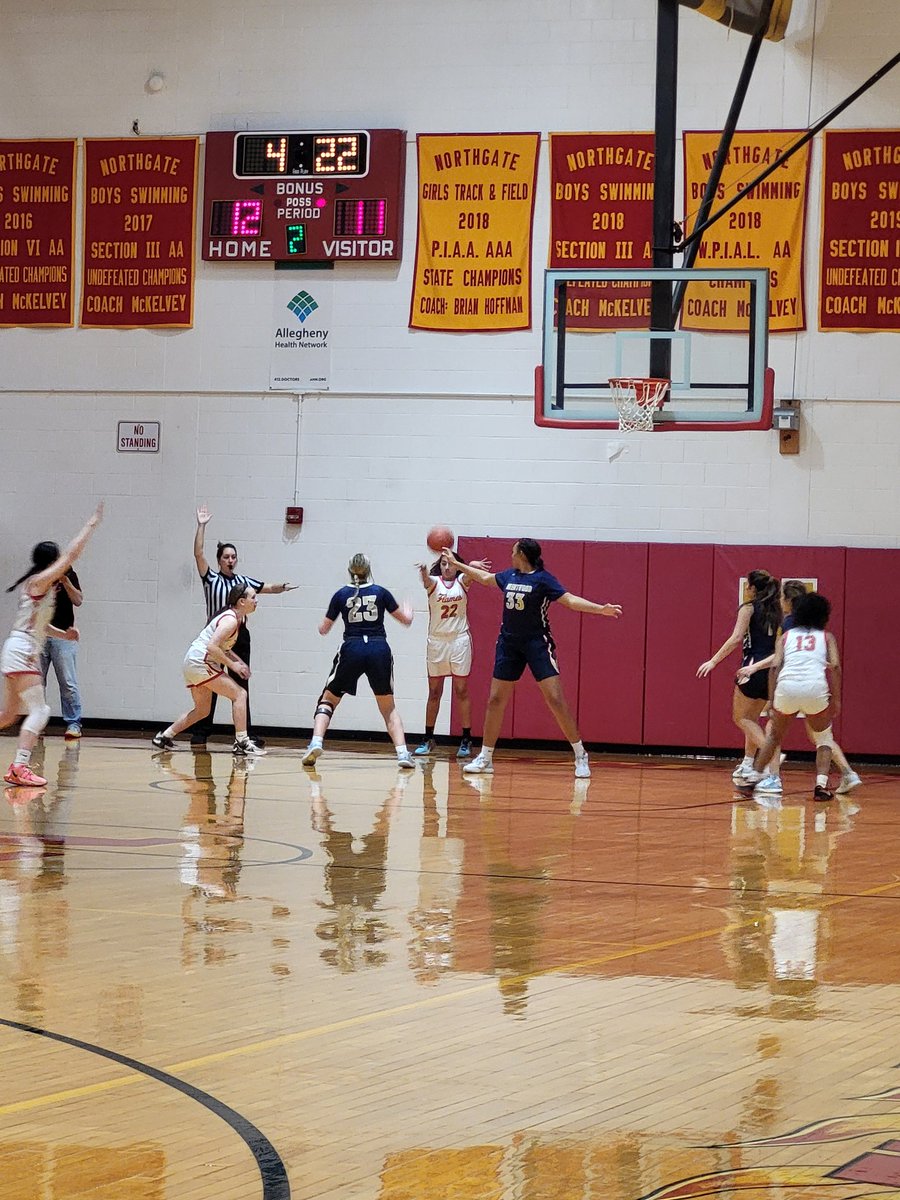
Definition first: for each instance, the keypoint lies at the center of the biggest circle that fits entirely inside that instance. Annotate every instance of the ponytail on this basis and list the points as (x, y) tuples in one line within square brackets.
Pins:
[(360, 570), (42, 556), (532, 551), (767, 604)]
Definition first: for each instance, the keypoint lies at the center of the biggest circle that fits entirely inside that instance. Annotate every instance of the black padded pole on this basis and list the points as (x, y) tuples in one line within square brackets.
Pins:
[(661, 313), (728, 130)]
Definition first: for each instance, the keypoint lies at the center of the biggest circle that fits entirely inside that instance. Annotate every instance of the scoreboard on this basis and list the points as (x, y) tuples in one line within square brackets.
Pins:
[(304, 195)]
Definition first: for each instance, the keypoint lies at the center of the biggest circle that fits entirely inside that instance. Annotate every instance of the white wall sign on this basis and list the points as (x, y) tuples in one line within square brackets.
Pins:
[(301, 331), (141, 437)]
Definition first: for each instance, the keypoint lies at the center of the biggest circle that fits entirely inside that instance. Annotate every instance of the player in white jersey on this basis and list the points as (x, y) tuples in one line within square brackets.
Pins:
[(449, 648), (205, 673), (804, 657), (20, 658)]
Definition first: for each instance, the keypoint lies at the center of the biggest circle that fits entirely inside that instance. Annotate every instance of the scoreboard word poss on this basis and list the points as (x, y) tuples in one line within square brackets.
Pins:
[(304, 195)]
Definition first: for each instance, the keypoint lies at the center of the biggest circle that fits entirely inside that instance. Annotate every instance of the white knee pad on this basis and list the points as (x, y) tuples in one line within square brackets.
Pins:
[(823, 737), (37, 709)]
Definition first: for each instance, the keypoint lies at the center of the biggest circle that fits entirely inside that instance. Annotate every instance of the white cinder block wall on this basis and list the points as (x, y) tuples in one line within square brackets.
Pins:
[(419, 427)]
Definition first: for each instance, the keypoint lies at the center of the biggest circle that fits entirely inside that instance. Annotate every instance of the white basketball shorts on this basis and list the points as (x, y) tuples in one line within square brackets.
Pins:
[(449, 656), (791, 701), (20, 655)]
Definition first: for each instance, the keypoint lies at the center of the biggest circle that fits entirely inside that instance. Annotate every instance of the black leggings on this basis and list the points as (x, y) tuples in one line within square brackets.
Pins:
[(201, 731)]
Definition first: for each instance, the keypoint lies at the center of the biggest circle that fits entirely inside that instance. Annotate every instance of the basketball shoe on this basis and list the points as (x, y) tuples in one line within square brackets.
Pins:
[(22, 775)]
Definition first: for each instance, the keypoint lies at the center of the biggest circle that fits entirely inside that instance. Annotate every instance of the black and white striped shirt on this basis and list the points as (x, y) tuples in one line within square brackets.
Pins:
[(216, 587)]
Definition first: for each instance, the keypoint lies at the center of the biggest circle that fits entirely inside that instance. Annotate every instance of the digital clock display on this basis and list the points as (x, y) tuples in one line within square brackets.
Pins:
[(343, 153)]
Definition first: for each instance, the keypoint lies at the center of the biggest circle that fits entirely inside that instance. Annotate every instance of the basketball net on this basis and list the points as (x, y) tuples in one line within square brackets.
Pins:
[(637, 399)]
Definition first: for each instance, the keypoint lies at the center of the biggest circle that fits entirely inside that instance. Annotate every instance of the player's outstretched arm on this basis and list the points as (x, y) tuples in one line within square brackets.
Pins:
[(429, 583), (44, 580), (470, 570), (741, 625), (579, 604), (403, 613)]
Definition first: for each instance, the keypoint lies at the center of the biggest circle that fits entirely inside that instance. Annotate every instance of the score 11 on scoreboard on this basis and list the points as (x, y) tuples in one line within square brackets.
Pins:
[(304, 195)]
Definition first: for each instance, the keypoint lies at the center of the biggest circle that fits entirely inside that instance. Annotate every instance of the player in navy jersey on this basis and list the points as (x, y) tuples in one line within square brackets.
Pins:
[(525, 641), (755, 630), (364, 651)]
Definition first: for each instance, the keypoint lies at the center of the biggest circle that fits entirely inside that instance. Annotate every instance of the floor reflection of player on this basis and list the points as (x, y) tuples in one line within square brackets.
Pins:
[(355, 880), (34, 912), (520, 868), (780, 863), (440, 880), (211, 856)]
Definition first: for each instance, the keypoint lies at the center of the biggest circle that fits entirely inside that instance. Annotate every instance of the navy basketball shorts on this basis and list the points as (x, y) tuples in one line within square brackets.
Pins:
[(360, 656), (756, 687), (513, 655)]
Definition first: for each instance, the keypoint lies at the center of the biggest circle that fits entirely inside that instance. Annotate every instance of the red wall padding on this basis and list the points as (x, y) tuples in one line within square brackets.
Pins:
[(870, 718), (533, 718), (633, 681), (611, 683), (825, 563), (676, 702)]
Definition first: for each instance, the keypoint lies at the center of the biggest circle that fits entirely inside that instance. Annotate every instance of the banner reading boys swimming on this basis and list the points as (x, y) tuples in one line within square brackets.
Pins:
[(473, 252), (601, 215), (859, 286), (765, 230), (37, 206)]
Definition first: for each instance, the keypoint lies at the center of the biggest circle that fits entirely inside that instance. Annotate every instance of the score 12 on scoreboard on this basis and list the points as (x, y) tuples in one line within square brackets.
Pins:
[(304, 195)]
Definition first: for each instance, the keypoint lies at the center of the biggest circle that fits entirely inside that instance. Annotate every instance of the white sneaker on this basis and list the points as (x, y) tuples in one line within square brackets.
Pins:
[(848, 782), (771, 784), (311, 754), (405, 761), (479, 766), (739, 774), (241, 749), (582, 767), (747, 782)]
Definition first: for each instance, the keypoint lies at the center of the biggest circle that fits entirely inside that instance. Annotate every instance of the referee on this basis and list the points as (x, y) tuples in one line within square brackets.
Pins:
[(216, 586)]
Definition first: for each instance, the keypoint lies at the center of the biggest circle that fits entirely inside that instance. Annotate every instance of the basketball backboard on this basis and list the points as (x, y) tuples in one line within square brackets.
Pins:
[(597, 328)]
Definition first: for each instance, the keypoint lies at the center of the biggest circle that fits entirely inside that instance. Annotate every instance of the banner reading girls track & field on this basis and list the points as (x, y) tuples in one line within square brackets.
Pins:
[(473, 253)]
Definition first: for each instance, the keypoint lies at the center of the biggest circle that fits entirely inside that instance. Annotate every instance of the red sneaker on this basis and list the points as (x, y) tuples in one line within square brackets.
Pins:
[(22, 774)]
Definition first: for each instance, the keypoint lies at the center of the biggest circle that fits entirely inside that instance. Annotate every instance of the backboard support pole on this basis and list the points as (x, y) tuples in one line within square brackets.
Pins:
[(661, 311)]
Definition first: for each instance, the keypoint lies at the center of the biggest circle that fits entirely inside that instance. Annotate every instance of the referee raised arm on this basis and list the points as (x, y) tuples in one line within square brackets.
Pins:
[(216, 586)]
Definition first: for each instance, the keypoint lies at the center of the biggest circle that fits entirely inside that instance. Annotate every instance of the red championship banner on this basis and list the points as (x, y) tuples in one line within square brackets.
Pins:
[(766, 229), (139, 227), (601, 215), (859, 288), (37, 207), (473, 252)]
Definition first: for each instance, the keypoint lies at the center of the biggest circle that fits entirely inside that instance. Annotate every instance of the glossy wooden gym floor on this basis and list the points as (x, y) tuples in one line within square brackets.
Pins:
[(222, 982)]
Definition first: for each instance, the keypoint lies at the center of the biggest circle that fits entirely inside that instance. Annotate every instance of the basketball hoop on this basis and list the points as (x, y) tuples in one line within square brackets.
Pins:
[(637, 400)]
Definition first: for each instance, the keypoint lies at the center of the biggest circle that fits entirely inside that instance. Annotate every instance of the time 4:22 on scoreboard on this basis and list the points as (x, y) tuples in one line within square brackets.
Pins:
[(304, 195)]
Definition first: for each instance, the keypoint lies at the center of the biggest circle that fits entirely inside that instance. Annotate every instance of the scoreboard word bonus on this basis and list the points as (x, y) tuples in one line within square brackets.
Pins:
[(304, 195)]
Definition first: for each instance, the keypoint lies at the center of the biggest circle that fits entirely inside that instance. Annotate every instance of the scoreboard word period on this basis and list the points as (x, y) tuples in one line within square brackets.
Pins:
[(304, 195)]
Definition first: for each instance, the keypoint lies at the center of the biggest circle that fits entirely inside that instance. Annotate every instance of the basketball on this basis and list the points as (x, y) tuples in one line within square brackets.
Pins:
[(438, 537)]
